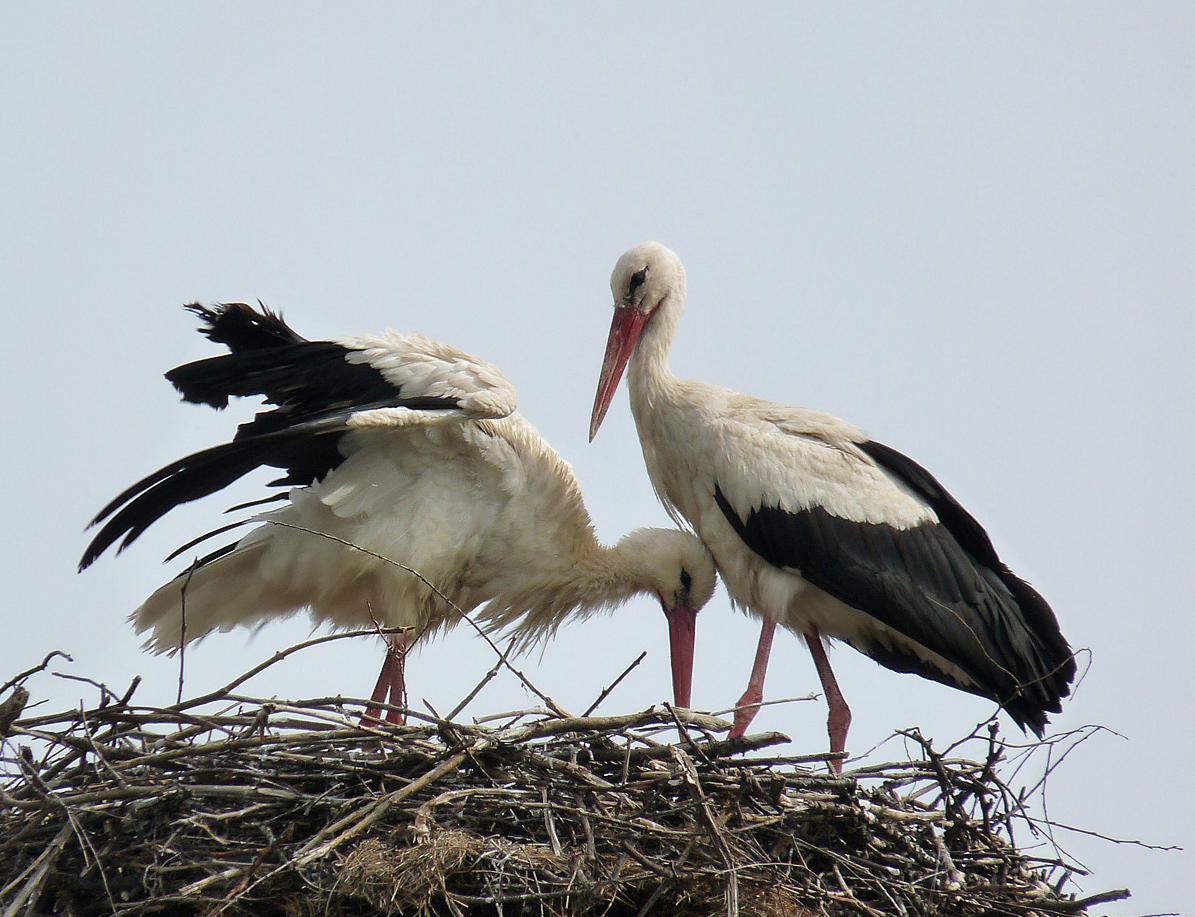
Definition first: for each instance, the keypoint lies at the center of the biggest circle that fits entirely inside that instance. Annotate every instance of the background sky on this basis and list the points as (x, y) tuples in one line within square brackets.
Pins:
[(968, 230)]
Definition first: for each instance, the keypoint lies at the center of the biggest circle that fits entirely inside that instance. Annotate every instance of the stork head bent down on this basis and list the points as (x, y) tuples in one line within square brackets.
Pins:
[(646, 276), (684, 574)]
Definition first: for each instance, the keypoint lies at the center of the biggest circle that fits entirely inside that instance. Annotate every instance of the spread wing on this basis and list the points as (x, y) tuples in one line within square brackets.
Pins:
[(319, 390)]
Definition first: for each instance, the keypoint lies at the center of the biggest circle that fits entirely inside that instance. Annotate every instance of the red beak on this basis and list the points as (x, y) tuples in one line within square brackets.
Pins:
[(682, 633), (624, 331)]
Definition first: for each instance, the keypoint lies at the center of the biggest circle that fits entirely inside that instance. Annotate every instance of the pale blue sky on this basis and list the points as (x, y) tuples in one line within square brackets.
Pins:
[(968, 230)]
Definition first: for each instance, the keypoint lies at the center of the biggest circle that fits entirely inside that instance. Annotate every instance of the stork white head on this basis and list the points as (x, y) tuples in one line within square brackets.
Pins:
[(681, 571), (645, 276)]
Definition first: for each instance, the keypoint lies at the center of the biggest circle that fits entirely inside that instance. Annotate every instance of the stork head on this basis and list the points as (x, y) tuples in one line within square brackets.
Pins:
[(644, 277), (680, 570)]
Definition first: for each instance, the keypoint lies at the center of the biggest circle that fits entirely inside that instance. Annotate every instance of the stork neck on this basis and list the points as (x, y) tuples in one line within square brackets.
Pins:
[(649, 362), (583, 580), (627, 567)]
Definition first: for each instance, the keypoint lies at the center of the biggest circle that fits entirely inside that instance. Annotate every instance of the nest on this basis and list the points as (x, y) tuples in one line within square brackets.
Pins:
[(233, 805)]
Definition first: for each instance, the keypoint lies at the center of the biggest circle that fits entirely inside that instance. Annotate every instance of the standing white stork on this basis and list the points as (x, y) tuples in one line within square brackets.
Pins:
[(814, 526), (408, 449)]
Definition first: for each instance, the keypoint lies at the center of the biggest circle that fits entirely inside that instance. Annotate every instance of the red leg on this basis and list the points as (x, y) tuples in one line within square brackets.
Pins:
[(839, 720), (383, 687), (398, 687), (391, 681), (748, 704)]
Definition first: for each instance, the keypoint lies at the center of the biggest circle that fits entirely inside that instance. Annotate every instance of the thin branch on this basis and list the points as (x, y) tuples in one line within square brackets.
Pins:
[(486, 679), (17, 679), (182, 629), (614, 684)]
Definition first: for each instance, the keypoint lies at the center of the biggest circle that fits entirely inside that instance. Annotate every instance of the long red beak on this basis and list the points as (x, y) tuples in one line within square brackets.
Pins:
[(624, 331), (682, 633)]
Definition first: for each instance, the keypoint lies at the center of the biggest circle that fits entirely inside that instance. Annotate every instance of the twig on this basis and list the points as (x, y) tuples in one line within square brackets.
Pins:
[(260, 667), (363, 818), (17, 679), (182, 628), (11, 708), (693, 782), (768, 703), (486, 679), (614, 684)]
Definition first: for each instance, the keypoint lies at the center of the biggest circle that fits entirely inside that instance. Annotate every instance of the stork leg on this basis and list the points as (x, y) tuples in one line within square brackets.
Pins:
[(391, 683), (381, 689), (398, 687), (748, 704), (839, 720)]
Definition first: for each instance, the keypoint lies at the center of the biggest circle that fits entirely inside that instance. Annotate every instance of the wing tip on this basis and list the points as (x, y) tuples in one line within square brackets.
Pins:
[(240, 327)]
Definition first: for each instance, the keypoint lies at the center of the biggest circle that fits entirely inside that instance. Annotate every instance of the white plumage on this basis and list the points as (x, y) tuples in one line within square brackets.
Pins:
[(814, 526), (408, 449)]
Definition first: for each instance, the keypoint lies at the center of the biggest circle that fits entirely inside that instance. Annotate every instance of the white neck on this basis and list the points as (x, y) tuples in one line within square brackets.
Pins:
[(649, 362)]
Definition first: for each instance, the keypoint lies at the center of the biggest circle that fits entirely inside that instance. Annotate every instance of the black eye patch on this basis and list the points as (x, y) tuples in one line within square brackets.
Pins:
[(637, 279)]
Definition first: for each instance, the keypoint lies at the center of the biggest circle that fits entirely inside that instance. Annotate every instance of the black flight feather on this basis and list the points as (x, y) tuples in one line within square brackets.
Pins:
[(975, 542), (315, 390), (239, 326)]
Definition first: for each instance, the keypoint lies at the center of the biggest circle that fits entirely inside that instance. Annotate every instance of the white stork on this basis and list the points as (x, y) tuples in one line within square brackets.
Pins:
[(814, 526), (411, 450)]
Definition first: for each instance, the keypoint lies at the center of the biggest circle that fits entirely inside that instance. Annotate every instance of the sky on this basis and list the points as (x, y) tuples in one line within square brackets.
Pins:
[(967, 229)]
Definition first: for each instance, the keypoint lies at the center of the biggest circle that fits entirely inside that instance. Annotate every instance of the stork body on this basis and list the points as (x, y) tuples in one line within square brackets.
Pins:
[(409, 450), (816, 527)]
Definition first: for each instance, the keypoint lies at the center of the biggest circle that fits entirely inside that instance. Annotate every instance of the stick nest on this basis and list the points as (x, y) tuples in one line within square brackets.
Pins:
[(242, 806)]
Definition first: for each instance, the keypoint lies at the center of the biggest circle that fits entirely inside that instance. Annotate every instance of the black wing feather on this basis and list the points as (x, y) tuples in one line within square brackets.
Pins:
[(301, 377), (975, 542), (315, 390), (939, 585), (197, 476), (240, 327)]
